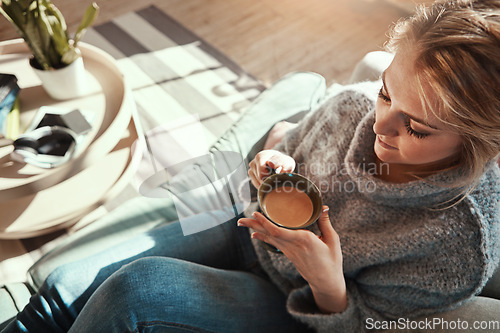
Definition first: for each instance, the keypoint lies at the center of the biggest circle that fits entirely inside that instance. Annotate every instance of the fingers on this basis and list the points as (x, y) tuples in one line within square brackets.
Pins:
[(266, 239), (270, 233), (288, 240), (250, 223), (262, 166), (260, 224), (257, 171), (270, 228), (281, 163), (259, 167), (254, 179), (265, 230), (328, 234)]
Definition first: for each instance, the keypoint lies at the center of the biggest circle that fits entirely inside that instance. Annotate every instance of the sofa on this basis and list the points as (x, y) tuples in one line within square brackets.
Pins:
[(291, 98)]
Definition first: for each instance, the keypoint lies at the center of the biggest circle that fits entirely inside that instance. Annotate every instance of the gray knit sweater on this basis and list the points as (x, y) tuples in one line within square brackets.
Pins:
[(401, 257)]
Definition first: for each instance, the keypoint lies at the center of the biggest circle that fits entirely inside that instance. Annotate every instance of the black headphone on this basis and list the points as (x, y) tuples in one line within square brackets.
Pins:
[(45, 147)]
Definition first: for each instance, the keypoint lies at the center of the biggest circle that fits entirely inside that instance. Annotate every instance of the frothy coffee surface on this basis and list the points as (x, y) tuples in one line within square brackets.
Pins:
[(288, 206)]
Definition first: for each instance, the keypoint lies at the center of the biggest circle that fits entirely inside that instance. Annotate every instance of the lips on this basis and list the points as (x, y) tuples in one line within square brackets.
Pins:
[(385, 145)]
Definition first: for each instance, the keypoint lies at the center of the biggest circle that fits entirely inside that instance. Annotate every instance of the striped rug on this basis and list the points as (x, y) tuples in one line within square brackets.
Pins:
[(174, 73), (176, 78)]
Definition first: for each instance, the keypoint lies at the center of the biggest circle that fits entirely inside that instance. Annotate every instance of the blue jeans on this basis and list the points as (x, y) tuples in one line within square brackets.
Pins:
[(162, 281)]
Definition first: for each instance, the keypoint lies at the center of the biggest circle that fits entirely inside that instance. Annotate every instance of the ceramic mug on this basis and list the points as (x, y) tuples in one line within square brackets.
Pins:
[(293, 187)]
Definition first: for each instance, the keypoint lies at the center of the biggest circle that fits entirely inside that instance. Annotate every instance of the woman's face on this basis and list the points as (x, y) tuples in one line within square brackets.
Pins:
[(404, 133)]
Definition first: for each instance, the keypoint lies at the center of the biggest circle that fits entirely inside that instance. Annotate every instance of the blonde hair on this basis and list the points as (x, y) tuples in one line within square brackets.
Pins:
[(458, 46)]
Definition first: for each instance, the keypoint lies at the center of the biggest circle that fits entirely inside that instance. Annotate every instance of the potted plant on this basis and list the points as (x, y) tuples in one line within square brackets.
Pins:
[(56, 57)]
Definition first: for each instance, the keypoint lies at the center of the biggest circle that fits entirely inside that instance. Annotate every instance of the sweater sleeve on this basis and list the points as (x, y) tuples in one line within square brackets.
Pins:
[(437, 275), (365, 307), (357, 317), (301, 305)]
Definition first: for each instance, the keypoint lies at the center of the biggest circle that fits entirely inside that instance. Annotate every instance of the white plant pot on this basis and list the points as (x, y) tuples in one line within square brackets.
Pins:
[(64, 83)]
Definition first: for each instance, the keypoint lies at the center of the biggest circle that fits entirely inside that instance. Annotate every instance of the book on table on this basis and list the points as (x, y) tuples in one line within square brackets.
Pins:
[(9, 108)]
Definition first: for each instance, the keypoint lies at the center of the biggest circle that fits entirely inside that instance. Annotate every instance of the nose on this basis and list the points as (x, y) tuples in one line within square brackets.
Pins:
[(385, 123)]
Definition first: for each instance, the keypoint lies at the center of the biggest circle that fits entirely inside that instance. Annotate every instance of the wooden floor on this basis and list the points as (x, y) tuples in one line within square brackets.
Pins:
[(270, 38)]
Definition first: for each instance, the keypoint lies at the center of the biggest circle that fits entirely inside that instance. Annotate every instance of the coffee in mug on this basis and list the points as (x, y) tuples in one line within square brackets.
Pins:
[(290, 200), (288, 206)]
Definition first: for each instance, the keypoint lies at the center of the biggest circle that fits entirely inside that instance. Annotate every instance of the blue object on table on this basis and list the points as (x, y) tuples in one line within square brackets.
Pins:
[(8, 93)]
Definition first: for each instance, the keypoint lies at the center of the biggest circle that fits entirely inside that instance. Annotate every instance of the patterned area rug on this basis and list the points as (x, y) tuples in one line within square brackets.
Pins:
[(176, 78)]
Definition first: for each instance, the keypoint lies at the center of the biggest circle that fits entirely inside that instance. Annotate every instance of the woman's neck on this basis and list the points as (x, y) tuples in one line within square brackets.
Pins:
[(403, 173)]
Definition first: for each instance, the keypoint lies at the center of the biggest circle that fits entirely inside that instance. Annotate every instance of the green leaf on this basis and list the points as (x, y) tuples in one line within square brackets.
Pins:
[(87, 20), (15, 14), (50, 7), (44, 29), (34, 41), (21, 4), (42, 24), (44, 33), (71, 55), (60, 40)]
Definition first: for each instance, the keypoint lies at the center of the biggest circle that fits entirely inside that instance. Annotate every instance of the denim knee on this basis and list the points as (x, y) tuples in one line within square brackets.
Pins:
[(168, 294), (53, 308), (138, 282), (70, 283), (136, 294)]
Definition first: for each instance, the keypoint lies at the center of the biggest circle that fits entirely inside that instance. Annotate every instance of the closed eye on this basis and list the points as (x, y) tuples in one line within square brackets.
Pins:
[(412, 132), (383, 96)]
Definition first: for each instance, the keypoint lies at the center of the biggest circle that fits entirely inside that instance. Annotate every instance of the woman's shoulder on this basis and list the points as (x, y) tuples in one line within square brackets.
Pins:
[(484, 202), (484, 210), (486, 195), (462, 241)]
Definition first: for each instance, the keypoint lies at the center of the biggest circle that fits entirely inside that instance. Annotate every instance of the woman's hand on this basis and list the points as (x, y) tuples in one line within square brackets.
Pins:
[(259, 166), (318, 259)]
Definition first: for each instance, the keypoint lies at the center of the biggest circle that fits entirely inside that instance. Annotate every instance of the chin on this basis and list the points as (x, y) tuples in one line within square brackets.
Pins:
[(384, 155)]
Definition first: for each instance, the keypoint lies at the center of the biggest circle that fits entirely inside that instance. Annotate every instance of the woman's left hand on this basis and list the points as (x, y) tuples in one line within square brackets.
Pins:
[(317, 259)]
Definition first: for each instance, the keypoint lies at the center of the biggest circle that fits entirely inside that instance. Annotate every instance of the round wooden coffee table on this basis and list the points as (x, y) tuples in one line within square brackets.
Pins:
[(34, 201)]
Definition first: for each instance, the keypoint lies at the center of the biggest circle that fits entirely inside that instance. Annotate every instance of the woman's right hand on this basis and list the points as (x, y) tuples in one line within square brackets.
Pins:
[(269, 159)]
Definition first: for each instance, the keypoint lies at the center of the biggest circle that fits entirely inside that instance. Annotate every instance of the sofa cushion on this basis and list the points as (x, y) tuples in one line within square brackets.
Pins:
[(135, 216), (477, 311), (479, 308), (290, 98), (492, 288), (371, 66)]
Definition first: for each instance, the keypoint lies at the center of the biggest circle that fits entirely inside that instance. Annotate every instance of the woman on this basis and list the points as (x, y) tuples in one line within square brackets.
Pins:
[(413, 188), (416, 162)]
